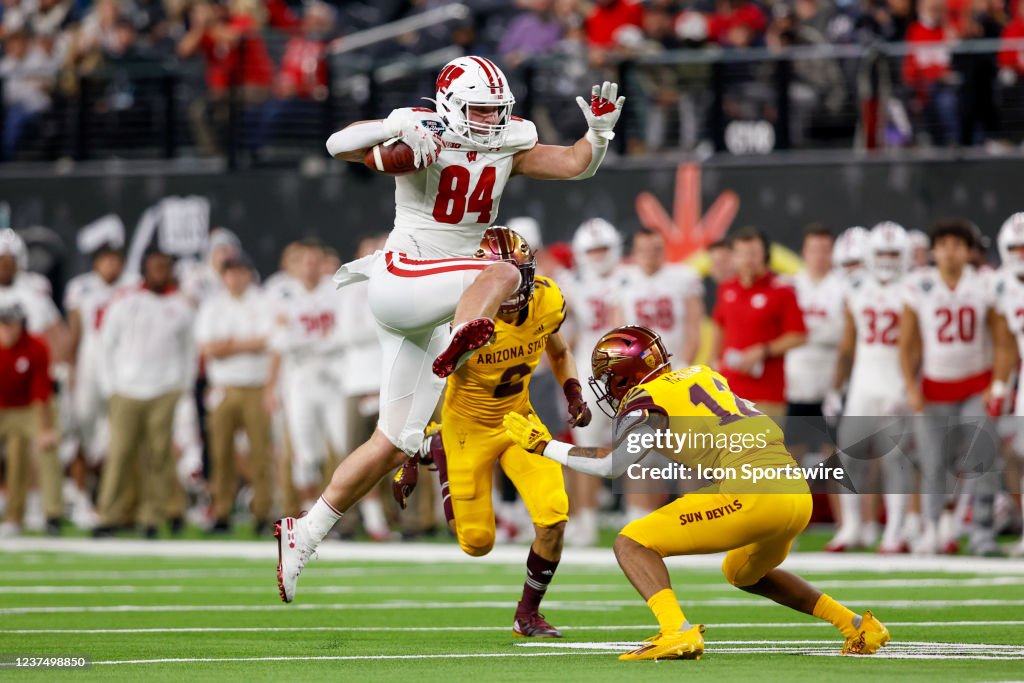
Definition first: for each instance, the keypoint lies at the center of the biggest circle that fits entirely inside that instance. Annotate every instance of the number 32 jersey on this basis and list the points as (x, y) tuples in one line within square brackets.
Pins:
[(496, 379), (876, 379), (443, 210)]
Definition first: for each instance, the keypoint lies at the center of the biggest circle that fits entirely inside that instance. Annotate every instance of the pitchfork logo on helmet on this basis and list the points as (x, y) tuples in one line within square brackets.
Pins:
[(502, 244), (1011, 244), (623, 358), (475, 83), (889, 252)]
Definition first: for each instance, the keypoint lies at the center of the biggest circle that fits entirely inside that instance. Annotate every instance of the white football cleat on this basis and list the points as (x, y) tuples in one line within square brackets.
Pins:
[(847, 538), (292, 556)]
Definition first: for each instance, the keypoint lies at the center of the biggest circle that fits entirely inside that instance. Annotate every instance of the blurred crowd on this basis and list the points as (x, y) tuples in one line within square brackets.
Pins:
[(166, 393), (265, 67)]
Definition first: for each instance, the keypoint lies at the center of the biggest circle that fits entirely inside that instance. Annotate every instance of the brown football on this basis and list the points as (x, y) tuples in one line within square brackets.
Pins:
[(393, 159)]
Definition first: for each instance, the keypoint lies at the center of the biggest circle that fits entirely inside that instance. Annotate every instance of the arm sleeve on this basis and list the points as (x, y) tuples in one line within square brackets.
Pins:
[(359, 136), (598, 149), (630, 430)]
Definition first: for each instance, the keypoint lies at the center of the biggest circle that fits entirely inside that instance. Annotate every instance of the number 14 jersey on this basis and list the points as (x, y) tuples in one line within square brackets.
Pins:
[(443, 210), (496, 379)]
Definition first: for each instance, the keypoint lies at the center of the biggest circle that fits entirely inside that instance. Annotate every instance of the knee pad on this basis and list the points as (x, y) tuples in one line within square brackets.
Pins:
[(476, 541), (736, 569)]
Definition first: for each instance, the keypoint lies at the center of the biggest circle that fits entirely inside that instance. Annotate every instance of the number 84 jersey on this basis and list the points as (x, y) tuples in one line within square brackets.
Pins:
[(443, 210), (496, 379)]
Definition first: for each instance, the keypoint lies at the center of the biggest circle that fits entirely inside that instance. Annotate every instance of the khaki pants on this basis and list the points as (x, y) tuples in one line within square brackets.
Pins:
[(239, 408), (18, 428), (140, 443)]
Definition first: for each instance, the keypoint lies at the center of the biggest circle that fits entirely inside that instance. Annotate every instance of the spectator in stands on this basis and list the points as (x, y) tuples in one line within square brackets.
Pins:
[(755, 322), (147, 361), (301, 85), (885, 20), (28, 78), (26, 420), (1011, 59), (982, 20), (927, 70), (536, 31), (607, 18), (236, 59), (737, 23)]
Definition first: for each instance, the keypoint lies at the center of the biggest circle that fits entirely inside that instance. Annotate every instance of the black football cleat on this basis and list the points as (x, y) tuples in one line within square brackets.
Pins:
[(534, 626)]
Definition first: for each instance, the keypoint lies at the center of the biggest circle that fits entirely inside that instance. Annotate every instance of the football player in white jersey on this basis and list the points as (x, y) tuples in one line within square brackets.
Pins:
[(921, 249), (947, 331), (669, 299), (467, 148), (819, 291), (86, 298), (592, 299), (848, 253), (1009, 296), (869, 360), (42, 317)]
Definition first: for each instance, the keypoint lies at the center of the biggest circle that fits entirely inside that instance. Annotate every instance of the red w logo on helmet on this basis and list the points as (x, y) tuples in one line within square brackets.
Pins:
[(447, 75)]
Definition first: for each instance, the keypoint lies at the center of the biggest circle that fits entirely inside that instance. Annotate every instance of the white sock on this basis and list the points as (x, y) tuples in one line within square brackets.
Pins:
[(320, 519), (373, 517), (895, 514), (850, 527), (635, 512)]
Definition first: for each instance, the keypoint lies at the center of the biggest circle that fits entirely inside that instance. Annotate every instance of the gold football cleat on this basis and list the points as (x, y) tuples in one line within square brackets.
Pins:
[(871, 635), (688, 644)]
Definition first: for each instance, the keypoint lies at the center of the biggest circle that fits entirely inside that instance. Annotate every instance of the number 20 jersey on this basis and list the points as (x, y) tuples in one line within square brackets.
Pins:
[(443, 210), (496, 379)]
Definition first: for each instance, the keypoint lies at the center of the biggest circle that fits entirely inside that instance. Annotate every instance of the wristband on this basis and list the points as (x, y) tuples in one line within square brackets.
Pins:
[(998, 389), (572, 389), (557, 451)]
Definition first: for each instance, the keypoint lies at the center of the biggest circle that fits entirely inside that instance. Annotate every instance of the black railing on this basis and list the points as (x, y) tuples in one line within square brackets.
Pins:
[(685, 102)]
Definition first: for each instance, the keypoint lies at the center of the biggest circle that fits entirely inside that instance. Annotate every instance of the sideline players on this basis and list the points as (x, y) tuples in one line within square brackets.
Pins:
[(755, 523)]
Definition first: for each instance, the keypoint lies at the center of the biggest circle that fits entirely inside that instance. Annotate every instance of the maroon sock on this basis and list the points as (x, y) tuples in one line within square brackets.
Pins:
[(441, 462), (539, 573)]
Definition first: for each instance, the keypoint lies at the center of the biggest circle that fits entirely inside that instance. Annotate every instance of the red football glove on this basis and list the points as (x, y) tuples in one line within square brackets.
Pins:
[(405, 481), (579, 411)]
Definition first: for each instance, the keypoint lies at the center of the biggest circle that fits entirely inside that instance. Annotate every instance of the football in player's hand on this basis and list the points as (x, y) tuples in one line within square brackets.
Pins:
[(393, 159)]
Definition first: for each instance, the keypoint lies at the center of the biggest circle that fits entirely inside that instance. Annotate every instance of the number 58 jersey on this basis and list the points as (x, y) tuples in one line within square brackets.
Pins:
[(496, 379), (443, 210)]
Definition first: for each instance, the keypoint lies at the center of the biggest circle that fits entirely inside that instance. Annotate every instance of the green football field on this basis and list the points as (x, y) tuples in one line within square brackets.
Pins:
[(439, 617)]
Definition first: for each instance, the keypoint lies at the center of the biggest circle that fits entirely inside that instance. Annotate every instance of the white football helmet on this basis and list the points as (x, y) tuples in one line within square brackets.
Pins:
[(851, 247), (1011, 240), (596, 233), (474, 82), (889, 252), (11, 243), (529, 228)]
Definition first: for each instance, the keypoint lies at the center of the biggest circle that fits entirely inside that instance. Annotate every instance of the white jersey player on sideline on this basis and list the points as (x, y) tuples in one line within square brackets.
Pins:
[(869, 358), (466, 150), (850, 250), (819, 292), (920, 249), (591, 295), (86, 299), (1009, 299), (947, 330), (42, 316)]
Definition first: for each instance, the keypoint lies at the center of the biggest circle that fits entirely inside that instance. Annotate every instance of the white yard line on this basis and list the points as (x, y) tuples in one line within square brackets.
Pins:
[(574, 605), (402, 629), (431, 553)]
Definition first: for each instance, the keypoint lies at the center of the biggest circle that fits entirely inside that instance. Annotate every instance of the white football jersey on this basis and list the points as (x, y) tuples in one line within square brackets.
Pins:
[(811, 367), (279, 287), (877, 377), (304, 326), (442, 211), (1009, 300), (89, 294), (956, 343), (658, 301), (593, 301)]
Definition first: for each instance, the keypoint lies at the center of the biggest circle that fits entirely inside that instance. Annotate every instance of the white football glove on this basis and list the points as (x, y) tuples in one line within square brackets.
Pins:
[(405, 125), (603, 110)]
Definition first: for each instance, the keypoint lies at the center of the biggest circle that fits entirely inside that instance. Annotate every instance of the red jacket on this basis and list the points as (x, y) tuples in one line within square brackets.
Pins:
[(1013, 58), (929, 57), (604, 21), (748, 14), (25, 373), (753, 315)]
